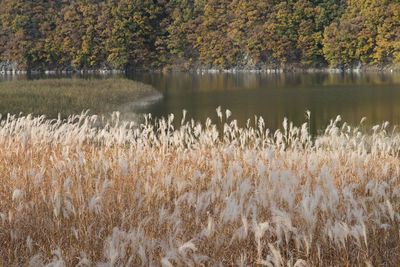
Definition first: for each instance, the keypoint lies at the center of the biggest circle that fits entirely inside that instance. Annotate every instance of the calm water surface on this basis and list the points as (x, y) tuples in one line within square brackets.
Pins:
[(375, 96)]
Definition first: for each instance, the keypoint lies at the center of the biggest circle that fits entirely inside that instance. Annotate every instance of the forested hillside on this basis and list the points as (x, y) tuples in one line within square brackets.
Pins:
[(157, 34)]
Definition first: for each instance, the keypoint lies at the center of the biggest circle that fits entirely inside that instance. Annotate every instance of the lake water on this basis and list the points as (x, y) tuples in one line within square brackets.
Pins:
[(375, 96)]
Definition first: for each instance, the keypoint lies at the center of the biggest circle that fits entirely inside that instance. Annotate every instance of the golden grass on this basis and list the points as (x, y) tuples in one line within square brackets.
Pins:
[(125, 195), (64, 97)]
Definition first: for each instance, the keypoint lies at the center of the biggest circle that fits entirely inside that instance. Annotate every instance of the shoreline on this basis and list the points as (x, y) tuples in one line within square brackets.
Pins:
[(202, 71), (11, 69)]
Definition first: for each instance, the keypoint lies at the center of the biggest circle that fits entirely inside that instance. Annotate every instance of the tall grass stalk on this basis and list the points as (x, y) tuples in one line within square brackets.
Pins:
[(129, 195)]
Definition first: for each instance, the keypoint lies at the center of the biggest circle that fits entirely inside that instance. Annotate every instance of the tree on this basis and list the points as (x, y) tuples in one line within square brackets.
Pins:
[(28, 26), (134, 33), (80, 34), (367, 32)]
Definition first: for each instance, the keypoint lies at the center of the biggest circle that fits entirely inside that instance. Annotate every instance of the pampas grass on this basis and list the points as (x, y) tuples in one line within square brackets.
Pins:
[(73, 193)]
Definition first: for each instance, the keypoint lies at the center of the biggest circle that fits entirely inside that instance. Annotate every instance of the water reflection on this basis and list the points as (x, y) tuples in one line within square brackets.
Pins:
[(375, 96)]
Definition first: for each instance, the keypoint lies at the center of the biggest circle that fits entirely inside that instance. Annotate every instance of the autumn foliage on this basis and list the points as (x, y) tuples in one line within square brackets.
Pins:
[(130, 34)]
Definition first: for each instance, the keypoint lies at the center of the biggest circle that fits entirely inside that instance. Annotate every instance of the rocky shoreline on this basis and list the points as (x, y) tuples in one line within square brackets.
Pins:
[(11, 68), (296, 68)]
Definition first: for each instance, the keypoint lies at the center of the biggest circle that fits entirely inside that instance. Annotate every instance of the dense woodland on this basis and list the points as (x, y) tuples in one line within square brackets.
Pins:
[(162, 34)]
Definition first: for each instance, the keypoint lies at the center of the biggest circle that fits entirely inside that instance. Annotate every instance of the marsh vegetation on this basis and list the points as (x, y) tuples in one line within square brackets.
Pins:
[(52, 97), (151, 194)]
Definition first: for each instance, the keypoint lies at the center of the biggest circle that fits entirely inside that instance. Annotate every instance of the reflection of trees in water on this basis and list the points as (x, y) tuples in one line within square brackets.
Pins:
[(248, 80), (275, 96)]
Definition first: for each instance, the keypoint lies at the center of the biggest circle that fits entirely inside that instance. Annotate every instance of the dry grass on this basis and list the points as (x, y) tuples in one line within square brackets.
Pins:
[(72, 194), (64, 97)]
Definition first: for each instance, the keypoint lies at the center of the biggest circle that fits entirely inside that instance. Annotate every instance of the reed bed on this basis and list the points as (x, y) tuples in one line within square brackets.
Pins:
[(75, 194), (64, 97)]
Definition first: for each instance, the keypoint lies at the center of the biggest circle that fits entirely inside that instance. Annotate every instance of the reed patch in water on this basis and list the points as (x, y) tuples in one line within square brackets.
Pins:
[(66, 97)]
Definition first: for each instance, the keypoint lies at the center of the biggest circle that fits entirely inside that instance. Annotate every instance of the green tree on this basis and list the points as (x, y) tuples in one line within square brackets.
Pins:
[(367, 32), (135, 32), (80, 34), (27, 25)]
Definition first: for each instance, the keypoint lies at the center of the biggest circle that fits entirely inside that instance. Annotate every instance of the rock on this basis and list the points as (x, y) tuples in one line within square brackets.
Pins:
[(8, 67)]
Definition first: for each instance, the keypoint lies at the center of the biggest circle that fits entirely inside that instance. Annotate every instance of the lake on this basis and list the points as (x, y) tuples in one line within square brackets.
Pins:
[(375, 96)]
